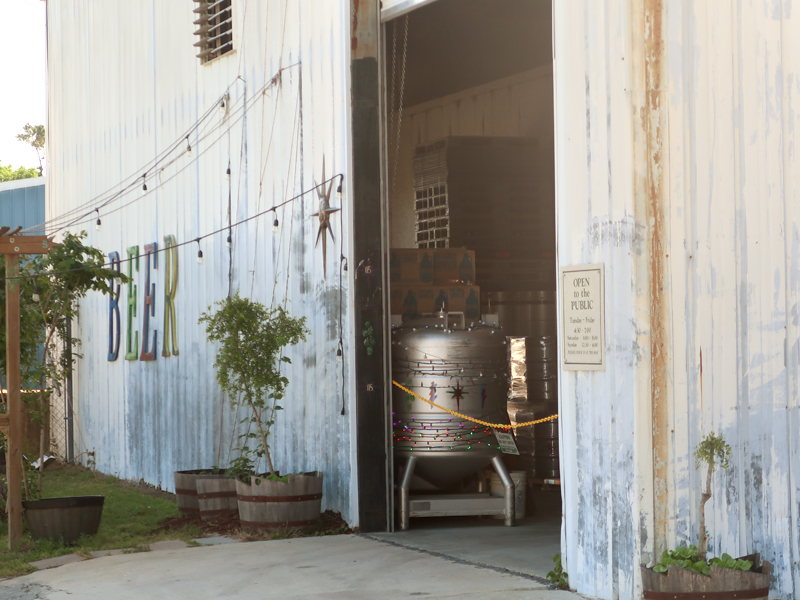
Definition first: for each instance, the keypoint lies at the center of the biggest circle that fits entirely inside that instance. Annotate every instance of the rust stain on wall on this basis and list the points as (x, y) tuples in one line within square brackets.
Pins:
[(654, 124), (363, 29)]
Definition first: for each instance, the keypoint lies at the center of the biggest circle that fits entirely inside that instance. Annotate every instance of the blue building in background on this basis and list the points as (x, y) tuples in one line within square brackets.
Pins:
[(22, 203)]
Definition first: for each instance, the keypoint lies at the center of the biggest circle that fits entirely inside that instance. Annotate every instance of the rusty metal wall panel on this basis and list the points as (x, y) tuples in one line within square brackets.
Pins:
[(125, 85), (705, 135)]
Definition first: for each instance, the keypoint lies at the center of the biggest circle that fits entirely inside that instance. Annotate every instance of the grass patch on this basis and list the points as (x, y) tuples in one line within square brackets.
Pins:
[(130, 516)]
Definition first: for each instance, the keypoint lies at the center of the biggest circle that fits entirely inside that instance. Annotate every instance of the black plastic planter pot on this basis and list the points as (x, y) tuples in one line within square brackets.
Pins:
[(64, 518)]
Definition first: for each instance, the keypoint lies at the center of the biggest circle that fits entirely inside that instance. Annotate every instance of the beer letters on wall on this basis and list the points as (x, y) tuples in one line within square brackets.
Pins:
[(149, 332)]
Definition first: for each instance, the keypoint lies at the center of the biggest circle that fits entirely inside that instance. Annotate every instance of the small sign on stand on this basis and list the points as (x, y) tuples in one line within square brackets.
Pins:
[(506, 441), (583, 309)]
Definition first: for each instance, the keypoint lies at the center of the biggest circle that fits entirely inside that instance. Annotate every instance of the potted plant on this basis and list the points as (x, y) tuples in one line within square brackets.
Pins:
[(248, 365), (51, 285), (208, 493), (685, 572)]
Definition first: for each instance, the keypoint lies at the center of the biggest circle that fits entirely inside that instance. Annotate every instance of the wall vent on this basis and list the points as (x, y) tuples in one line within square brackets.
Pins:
[(214, 28)]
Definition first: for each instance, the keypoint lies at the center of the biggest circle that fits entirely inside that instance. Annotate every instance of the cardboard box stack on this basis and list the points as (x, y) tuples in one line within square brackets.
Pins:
[(430, 280)]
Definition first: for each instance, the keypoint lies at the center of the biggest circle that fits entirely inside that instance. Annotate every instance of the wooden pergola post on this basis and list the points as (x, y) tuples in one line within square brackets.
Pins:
[(12, 246)]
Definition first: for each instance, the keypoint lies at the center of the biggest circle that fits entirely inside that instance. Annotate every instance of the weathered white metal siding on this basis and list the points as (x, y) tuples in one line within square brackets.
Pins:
[(605, 432), (734, 186), (677, 168), (124, 85)]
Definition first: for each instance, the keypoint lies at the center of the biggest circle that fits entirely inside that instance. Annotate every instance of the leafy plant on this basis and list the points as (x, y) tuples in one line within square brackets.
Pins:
[(711, 449), (686, 557), (726, 561), (248, 364), (558, 576), (51, 286)]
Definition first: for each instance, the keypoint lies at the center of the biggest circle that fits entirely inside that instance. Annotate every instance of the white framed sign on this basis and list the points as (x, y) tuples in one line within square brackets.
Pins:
[(506, 441), (583, 291)]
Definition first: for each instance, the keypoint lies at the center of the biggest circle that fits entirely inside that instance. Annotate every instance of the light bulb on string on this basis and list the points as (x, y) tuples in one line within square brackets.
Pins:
[(275, 222), (144, 184), (199, 252), (35, 296), (339, 188), (228, 172), (99, 224), (189, 152), (229, 241), (223, 105)]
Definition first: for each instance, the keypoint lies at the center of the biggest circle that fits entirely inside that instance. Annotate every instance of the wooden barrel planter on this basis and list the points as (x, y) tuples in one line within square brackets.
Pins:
[(721, 584), (186, 488), (266, 504), (216, 496), (64, 519)]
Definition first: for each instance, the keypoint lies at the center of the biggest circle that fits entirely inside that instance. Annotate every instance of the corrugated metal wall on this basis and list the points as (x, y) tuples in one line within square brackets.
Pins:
[(734, 247), (677, 168), (124, 86), (22, 202)]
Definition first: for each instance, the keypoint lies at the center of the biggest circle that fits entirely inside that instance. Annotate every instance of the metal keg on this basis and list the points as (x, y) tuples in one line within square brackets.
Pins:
[(460, 366), (520, 314)]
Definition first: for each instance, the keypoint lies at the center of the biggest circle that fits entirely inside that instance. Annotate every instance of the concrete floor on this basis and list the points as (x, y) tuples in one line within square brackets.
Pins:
[(316, 568), (527, 548)]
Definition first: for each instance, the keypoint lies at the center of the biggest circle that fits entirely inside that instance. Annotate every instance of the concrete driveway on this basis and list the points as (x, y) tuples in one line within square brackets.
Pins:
[(348, 567)]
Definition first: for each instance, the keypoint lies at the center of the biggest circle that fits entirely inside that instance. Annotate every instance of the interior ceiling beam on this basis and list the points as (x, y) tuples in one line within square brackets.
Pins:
[(397, 8)]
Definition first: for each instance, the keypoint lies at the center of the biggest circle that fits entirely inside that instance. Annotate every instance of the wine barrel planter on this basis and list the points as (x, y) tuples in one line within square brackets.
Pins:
[(721, 584), (266, 504), (186, 488), (216, 496), (64, 519)]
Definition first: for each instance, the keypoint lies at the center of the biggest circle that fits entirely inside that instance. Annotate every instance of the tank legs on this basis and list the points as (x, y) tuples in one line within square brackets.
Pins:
[(508, 485), (405, 491)]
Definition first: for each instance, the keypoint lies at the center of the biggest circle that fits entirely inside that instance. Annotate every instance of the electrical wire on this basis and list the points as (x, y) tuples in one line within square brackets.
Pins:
[(103, 200), (178, 245)]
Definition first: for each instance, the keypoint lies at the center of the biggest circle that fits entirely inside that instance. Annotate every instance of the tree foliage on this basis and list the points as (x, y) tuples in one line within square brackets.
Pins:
[(35, 136), (711, 449), (251, 340), (59, 279), (7, 173)]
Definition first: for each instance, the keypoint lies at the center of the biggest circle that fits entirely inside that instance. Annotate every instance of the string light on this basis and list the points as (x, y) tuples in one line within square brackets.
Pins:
[(275, 222), (228, 171), (199, 252), (229, 241), (188, 148), (339, 188), (223, 105), (35, 296), (144, 184), (99, 225)]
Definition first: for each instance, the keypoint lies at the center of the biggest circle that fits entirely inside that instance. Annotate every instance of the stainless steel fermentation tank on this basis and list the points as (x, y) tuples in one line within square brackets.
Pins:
[(460, 365)]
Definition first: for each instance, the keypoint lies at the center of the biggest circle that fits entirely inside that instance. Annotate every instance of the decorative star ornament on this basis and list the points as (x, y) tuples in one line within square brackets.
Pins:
[(458, 394), (324, 216)]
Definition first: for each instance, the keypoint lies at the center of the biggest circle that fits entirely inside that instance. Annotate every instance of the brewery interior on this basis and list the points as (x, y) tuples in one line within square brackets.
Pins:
[(470, 182)]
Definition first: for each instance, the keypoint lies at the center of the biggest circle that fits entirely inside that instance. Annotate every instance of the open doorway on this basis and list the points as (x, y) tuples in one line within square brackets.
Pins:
[(469, 149)]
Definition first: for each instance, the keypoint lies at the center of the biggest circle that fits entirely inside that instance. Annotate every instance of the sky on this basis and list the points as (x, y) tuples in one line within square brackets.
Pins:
[(23, 77)]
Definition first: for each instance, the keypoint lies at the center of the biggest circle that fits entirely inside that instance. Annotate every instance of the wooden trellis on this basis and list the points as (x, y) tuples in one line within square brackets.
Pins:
[(12, 246)]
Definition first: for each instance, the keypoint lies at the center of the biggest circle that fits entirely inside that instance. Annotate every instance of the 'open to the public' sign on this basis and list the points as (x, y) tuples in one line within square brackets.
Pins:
[(583, 306)]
